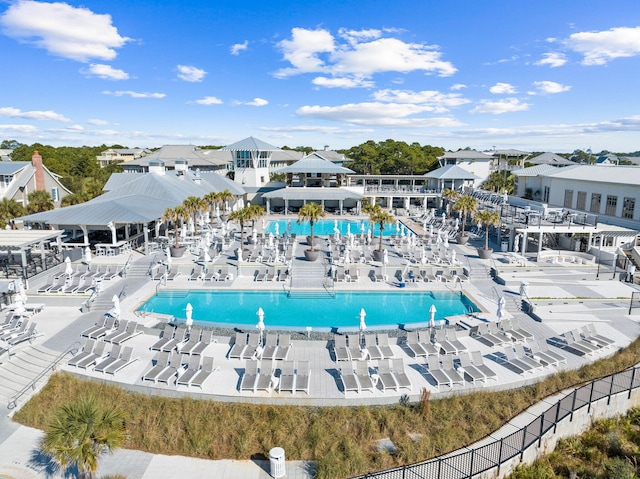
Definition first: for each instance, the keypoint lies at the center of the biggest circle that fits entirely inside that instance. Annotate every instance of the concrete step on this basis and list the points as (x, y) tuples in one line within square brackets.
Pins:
[(24, 366)]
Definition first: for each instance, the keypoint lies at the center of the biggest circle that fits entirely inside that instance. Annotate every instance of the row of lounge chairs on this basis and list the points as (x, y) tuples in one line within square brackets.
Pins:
[(77, 284), (95, 271), (271, 274), (502, 333), (445, 372), (586, 341), (17, 330), (531, 359), (113, 331), (415, 273), (249, 346), (162, 272), (179, 369), (262, 376), (190, 342), (433, 342), (350, 348), (94, 353), (389, 374), (210, 274)]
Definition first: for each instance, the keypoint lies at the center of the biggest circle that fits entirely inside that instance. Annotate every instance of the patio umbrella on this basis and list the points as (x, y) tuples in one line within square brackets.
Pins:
[(361, 227), (87, 255), (524, 288), (168, 253), (363, 325), (335, 224), (500, 312), (348, 229), (260, 325), (445, 241), (189, 315), (276, 229), (254, 236), (453, 256), (68, 269), (206, 256), (432, 315), (218, 211), (115, 311), (271, 239), (444, 216), (456, 225), (263, 224), (385, 260)]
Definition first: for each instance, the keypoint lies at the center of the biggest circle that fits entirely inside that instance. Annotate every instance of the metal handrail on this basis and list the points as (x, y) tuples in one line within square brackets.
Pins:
[(13, 402)]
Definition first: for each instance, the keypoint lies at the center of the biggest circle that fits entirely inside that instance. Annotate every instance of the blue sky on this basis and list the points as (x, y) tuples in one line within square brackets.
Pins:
[(532, 75)]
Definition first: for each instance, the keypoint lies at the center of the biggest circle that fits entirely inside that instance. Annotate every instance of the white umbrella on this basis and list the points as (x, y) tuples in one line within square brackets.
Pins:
[(217, 211), (456, 225), (385, 260), (362, 227), (260, 325), (271, 240), (432, 315), (189, 315), (263, 224), (348, 229), (68, 269), (192, 226), (445, 242), (87, 255), (168, 253), (254, 236), (524, 288), (206, 256), (431, 229), (453, 256), (22, 292), (369, 235), (277, 229), (115, 311), (335, 224), (444, 216), (500, 312), (363, 326)]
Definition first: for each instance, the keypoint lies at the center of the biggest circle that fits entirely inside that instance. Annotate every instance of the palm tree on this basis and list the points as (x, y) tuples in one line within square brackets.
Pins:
[(487, 218), (450, 195), (379, 216), (244, 215), (311, 212), (39, 201), (81, 432), (9, 210), (212, 198), (224, 197), (175, 216), (193, 205), (466, 205)]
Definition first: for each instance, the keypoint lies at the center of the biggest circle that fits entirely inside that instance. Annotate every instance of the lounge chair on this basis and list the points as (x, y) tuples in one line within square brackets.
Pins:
[(473, 373), (339, 275), (529, 358), (250, 376), (59, 286), (486, 337), (86, 351), (225, 275), (205, 340), (579, 346), (110, 273), (14, 331), (253, 343), (349, 379), (383, 344), (26, 335), (265, 378), (340, 348), (386, 379), (12, 325), (541, 356), (130, 332), (478, 362), (238, 346), (203, 374), (111, 358), (375, 276), (171, 275), (159, 364), (91, 359), (211, 275), (73, 286), (271, 274), (449, 369), (543, 347), (284, 346), (85, 287), (364, 376), (355, 351), (193, 366), (160, 272), (126, 358), (165, 337), (270, 346), (171, 371), (590, 334), (196, 274), (193, 338), (418, 347), (260, 275), (446, 346), (303, 377), (517, 331), (494, 330), (372, 347), (99, 332), (179, 337), (122, 327), (52, 281), (91, 272), (513, 361), (452, 336), (436, 373), (400, 374), (287, 380)]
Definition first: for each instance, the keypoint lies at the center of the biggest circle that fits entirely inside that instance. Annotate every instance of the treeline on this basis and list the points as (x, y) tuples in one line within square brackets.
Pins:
[(393, 157)]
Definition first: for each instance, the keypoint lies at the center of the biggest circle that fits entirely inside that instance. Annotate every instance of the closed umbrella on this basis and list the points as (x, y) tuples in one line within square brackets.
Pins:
[(432, 315), (500, 312), (115, 311), (206, 256), (68, 269), (276, 229), (385, 260), (260, 325), (87, 255), (168, 253), (254, 236), (363, 325), (453, 257), (189, 315)]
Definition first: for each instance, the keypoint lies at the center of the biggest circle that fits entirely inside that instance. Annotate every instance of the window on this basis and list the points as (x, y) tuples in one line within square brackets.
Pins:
[(55, 194), (581, 201), (568, 198), (612, 205), (262, 180), (595, 203), (628, 207)]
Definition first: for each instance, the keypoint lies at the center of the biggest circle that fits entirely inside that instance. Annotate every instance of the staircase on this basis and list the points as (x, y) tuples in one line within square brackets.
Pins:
[(311, 278)]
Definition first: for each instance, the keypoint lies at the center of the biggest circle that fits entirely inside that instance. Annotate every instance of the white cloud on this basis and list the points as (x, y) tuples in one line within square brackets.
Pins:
[(134, 94), (431, 100), (97, 121), (209, 100), (30, 129), (503, 89), (599, 48), (254, 102), (361, 55), (327, 130), (507, 105), (342, 82), (547, 87), (32, 115), (63, 30), (554, 60), (190, 73), (239, 47), (106, 72), (458, 86)]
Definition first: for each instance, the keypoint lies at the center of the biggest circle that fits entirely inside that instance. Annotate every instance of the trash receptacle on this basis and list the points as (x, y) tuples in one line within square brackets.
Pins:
[(504, 246), (276, 462)]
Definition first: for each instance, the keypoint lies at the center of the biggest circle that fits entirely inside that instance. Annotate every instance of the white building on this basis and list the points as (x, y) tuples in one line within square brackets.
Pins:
[(473, 161)]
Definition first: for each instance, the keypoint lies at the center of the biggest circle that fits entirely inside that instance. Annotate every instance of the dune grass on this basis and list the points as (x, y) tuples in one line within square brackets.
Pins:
[(339, 439)]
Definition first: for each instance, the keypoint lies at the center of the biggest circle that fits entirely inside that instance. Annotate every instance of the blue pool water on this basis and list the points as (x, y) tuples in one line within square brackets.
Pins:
[(238, 308), (326, 227)]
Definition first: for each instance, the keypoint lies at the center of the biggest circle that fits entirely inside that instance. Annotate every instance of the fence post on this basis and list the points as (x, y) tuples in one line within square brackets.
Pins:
[(524, 440), (471, 465), (439, 466), (500, 456), (555, 421), (541, 429), (573, 404), (633, 377), (593, 385), (610, 390)]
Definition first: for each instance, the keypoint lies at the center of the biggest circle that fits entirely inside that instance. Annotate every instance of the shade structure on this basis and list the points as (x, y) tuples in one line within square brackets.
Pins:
[(68, 269), (189, 316), (501, 304), (363, 325), (432, 315), (87, 255), (115, 311)]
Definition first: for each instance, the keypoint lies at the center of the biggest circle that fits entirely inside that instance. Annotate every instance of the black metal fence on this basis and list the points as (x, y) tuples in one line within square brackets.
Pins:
[(492, 455)]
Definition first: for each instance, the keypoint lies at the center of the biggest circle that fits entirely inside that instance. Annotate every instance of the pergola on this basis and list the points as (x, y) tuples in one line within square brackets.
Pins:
[(23, 241)]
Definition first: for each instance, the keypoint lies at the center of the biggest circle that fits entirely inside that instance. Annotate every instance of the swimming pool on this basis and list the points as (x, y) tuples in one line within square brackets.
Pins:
[(238, 308), (327, 227)]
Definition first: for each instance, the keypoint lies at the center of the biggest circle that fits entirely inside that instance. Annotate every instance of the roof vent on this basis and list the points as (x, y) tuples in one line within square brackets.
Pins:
[(156, 166)]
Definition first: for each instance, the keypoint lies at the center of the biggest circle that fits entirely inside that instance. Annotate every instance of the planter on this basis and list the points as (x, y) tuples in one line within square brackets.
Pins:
[(311, 255), (378, 255), (462, 239), (177, 252), (485, 253)]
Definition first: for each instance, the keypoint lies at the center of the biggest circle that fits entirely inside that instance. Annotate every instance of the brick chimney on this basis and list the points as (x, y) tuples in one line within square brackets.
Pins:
[(36, 161)]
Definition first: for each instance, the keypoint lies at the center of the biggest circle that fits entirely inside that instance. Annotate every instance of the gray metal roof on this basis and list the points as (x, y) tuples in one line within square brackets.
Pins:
[(465, 155), (250, 144), (451, 172), (26, 238), (315, 163), (550, 159), (533, 170), (308, 194), (625, 175), (509, 152), (11, 167), (194, 156)]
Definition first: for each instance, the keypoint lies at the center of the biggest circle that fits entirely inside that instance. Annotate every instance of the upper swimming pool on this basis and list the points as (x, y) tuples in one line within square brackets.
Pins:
[(328, 227), (238, 308)]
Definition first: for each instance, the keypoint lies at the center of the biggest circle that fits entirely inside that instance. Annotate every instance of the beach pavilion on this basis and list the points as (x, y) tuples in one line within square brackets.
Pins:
[(129, 214)]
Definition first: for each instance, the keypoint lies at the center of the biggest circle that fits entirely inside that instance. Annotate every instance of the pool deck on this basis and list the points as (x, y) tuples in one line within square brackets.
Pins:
[(603, 302)]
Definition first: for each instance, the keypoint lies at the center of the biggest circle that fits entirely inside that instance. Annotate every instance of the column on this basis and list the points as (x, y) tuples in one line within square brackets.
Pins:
[(341, 205), (85, 236), (286, 206), (525, 236), (145, 232), (268, 205), (540, 243)]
